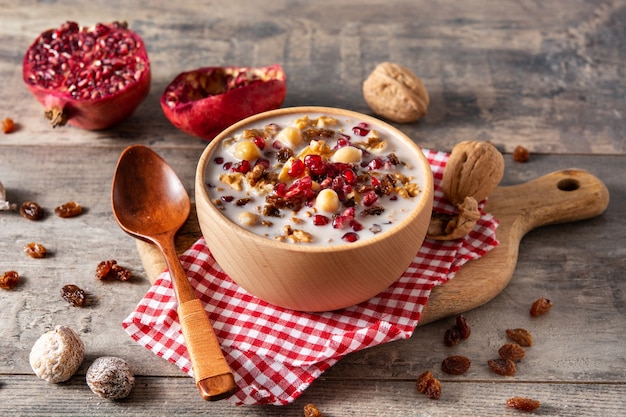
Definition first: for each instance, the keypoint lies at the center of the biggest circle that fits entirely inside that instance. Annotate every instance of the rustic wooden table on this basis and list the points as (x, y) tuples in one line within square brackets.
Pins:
[(546, 75)]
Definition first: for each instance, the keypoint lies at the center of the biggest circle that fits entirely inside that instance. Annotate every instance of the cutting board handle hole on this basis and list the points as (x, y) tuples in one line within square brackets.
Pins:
[(568, 184)]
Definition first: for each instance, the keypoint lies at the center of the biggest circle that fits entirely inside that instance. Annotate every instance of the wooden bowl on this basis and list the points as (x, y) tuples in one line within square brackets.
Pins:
[(308, 277)]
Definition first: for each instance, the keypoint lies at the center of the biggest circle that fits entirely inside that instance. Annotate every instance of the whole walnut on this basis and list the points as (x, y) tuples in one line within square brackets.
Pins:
[(395, 93), (57, 354)]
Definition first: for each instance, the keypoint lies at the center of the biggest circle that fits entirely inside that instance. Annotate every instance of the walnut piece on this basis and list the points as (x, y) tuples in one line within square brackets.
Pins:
[(4, 204), (57, 354), (449, 227), (110, 377), (474, 169), (396, 93)]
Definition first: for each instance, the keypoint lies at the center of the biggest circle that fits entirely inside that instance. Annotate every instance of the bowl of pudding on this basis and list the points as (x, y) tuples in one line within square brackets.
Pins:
[(313, 208)]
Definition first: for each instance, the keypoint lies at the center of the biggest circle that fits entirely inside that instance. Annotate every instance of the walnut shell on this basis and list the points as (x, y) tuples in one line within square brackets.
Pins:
[(110, 377), (396, 93), (474, 169), (57, 354)]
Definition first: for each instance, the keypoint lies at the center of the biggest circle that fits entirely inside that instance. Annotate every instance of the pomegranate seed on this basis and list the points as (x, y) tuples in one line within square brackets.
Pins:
[(219, 160), (280, 189), (370, 198), (356, 226), (259, 142), (362, 129), (227, 166), (296, 169), (320, 220), (264, 162), (375, 163), (350, 237), (277, 145), (315, 164), (350, 176), (375, 182), (243, 167)]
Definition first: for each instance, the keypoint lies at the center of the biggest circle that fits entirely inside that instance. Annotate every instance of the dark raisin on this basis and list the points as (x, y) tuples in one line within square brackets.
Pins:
[(455, 365), (284, 154), (35, 250), (104, 269), (540, 306), (121, 273), (374, 210), (9, 279), (521, 154), (31, 211), (523, 404), (429, 385), (520, 336), (452, 336), (69, 209), (512, 351), (504, 367), (243, 201), (464, 327), (393, 159), (73, 295)]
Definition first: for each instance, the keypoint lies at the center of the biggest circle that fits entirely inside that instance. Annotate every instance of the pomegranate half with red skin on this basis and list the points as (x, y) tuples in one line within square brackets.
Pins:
[(91, 78), (207, 100)]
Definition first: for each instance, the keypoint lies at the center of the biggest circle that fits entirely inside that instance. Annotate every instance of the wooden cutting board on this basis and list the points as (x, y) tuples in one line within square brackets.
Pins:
[(560, 197)]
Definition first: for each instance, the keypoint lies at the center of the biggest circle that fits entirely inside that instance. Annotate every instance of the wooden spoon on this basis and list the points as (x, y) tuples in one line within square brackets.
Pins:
[(151, 204)]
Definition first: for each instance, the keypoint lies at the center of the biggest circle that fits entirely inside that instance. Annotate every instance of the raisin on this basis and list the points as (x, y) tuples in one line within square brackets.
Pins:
[(521, 154), (523, 404), (452, 336), (112, 270), (512, 351), (104, 269), (8, 125), (504, 367), (455, 365), (311, 410), (429, 385), (31, 211), (520, 336), (73, 295), (69, 209), (35, 250), (9, 279), (540, 306), (121, 273), (464, 327), (372, 211)]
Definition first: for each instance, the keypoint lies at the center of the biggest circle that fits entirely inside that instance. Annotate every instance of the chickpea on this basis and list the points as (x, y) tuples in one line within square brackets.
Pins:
[(290, 136), (248, 219), (347, 154), (246, 150), (327, 200)]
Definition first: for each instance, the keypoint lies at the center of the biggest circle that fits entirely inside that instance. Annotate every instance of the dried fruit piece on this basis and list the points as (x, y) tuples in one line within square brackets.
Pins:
[(464, 328), (74, 295), (512, 351), (452, 336), (205, 101), (311, 410), (396, 93), (504, 367), (35, 250), (456, 364), (31, 211), (521, 154), (57, 354), (429, 385), (523, 404), (540, 306), (110, 377), (92, 78), (520, 336), (111, 270), (69, 209), (8, 125), (9, 279)]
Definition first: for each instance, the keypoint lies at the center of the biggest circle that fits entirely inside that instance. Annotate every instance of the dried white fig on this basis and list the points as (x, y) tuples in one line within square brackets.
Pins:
[(57, 354), (395, 93), (474, 169), (110, 377)]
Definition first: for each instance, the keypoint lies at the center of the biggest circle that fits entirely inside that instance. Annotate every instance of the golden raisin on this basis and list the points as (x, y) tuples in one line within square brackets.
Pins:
[(520, 336), (523, 404), (540, 306), (35, 250), (111, 270), (455, 365), (428, 385), (311, 410), (512, 351), (521, 154), (504, 367), (9, 279), (31, 211), (8, 125), (69, 209)]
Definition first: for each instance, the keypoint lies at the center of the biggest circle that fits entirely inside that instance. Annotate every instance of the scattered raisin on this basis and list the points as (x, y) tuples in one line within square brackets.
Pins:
[(520, 336), (9, 279), (31, 211), (523, 404), (73, 295), (111, 270), (311, 411), (69, 209), (8, 125), (104, 268), (505, 367), (35, 250), (455, 365), (464, 327), (521, 154), (512, 351), (540, 306), (429, 385), (452, 336), (121, 273)]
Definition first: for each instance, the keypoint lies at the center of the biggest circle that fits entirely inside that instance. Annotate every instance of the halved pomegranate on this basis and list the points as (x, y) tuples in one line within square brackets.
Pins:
[(92, 78), (205, 101)]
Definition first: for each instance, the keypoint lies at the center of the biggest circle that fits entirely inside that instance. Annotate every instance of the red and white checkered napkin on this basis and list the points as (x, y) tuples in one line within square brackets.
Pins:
[(277, 353)]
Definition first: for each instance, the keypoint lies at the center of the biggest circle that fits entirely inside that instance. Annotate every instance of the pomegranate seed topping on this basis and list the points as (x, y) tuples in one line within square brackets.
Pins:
[(350, 176), (350, 237), (259, 142), (370, 198), (280, 189), (356, 226), (315, 164), (320, 220), (296, 169), (219, 160), (243, 167), (227, 166), (362, 129), (264, 162), (375, 163), (277, 145)]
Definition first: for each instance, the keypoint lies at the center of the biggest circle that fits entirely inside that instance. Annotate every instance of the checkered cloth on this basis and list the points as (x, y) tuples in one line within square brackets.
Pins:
[(277, 353)]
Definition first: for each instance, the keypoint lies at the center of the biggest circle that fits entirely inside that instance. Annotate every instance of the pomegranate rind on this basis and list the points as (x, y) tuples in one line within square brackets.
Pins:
[(239, 92), (90, 113)]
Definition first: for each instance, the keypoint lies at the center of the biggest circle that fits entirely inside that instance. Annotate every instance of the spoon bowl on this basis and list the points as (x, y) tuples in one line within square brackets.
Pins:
[(150, 203)]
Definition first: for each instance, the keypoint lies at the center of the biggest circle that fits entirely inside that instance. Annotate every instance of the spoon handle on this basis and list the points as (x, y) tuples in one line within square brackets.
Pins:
[(212, 374)]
